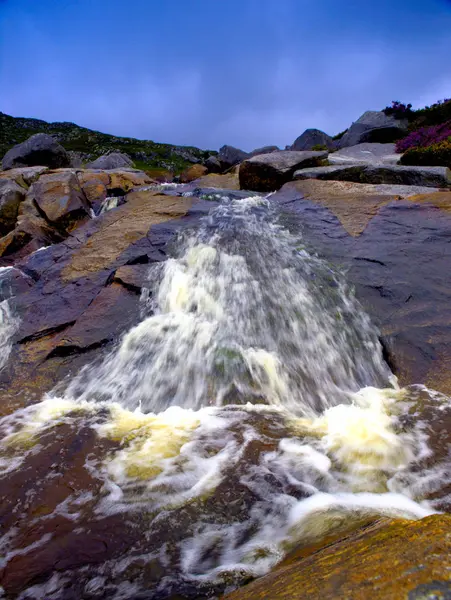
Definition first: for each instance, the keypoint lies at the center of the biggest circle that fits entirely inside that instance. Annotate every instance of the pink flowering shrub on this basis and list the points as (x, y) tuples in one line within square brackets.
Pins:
[(425, 136)]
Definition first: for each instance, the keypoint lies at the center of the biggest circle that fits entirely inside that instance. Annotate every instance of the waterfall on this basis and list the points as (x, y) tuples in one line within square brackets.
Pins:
[(249, 412)]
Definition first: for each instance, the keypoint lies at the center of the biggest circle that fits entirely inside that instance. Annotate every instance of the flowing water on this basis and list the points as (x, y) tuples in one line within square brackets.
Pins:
[(249, 413)]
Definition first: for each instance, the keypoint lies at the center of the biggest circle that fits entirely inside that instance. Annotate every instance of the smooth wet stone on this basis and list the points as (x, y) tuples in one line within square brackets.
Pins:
[(395, 252), (390, 559)]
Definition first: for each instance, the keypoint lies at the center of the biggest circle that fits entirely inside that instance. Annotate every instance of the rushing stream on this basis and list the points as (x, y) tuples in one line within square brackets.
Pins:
[(250, 412)]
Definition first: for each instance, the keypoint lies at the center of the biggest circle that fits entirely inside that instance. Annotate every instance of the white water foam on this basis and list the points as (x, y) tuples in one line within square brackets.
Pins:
[(256, 382)]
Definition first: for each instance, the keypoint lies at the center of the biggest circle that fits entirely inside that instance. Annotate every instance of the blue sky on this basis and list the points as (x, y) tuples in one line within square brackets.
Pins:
[(209, 72)]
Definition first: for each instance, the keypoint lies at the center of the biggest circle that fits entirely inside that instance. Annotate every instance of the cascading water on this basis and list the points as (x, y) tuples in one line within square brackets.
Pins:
[(243, 314), (249, 412)]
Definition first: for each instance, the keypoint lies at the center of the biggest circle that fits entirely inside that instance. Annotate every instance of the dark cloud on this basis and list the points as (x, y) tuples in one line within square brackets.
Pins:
[(192, 79)]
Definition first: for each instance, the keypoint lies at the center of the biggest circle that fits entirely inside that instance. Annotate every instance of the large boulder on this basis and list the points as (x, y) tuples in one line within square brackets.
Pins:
[(60, 200), (268, 172), (40, 149), (11, 195), (439, 177), (229, 156), (264, 150), (193, 172), (114, 160), (374, 126), (213, 164), (311, 138), (389, 559), (367, 153)]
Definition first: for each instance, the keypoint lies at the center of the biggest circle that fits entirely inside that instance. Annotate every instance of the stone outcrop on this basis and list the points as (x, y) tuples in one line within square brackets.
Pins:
[(24, 176), (370, 154), (213, 164), (229, 156), (389, 174), (60, 199), (40, 149), (311, 138), (395, 251), (389, 559), (374, 126), (268, 172), (264, 150), (11, 195), (192, 173), (114, 160)]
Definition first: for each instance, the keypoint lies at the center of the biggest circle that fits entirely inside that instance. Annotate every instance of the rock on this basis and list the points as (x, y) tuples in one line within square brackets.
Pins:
[(40, 149), (371, 154), (61, 200), (390, 559), (395, 252), (76, 159), (11, 195), (311, 138), (114, 310), (124, 180), (229, 156), (114, 160), (268, 172), (227, 181), (213, 165), (133, 277), (192, 173), (388, 174), (13, 281), (264, 150), (374, 126), (94, 184), (116, 230), (24, 176)]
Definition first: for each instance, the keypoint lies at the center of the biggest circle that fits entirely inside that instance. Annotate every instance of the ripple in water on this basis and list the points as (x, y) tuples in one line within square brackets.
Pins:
[(250, 412)]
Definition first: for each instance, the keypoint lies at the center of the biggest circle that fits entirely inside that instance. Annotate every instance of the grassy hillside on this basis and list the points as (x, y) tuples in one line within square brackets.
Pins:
[(146, 154)]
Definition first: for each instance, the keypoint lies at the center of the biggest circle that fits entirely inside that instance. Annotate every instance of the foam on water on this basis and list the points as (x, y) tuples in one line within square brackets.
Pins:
[(254, 380)]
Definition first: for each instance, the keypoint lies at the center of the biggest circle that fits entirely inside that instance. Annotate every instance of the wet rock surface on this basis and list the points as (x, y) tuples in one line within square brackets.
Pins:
[(395, 252), (389, 559)]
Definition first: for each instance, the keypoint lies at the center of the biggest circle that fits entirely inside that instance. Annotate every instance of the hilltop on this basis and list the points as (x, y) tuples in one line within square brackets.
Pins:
[(90, 144)]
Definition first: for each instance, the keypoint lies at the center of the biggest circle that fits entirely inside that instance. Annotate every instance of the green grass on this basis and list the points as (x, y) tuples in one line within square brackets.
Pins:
[(92, 144)]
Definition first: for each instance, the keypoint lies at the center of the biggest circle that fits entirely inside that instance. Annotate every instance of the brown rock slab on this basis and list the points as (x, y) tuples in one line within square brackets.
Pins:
[(94, 185), (192, 173), (390, 559), (119, 228), (133, 277), (11, 195), (125, 180), (61, 200), (112, 311), (24, 176), (227, 181)]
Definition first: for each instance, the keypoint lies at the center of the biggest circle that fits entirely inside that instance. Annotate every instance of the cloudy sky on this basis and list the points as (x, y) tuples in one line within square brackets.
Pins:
[(209, 72)]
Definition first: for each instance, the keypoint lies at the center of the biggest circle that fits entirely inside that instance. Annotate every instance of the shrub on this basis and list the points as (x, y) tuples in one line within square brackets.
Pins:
[(431, 156), (339, 135), (424, 137), (399, 110), (437, 113), (320, 147)]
